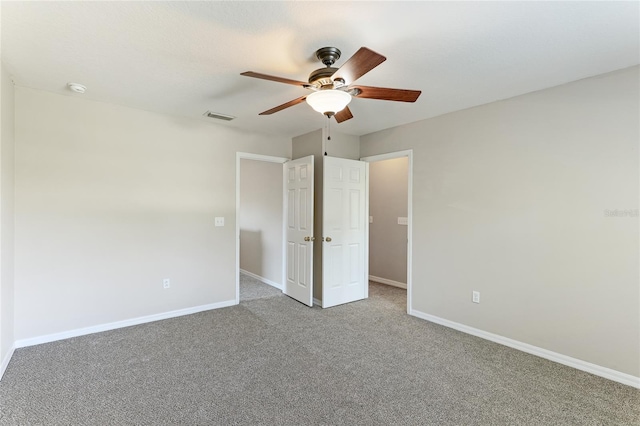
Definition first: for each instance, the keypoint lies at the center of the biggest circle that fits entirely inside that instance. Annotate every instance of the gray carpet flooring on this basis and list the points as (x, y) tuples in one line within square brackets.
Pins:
[(273, 361), (251, 289)]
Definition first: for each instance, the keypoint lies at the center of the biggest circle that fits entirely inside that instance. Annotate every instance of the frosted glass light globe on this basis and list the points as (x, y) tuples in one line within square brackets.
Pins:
[(329, 102)]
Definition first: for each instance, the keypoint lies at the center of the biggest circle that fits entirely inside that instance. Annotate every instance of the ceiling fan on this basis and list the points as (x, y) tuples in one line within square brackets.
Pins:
[(333, 87)]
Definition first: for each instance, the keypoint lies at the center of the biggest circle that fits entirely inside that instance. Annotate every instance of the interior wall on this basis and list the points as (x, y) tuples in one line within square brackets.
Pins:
[(112, 200), (7, 144), (533, 201), (341, 145), (260, 219), (388, 199)]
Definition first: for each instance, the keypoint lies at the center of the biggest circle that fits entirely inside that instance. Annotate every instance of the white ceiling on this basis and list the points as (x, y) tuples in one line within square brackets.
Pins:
[(183, 58)]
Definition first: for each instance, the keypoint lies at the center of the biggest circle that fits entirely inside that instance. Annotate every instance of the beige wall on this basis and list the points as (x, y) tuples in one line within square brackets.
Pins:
[(341, 145), (7, 138), (307, 144), (388, 198), (111, 200), (509, 199), (260, 219)]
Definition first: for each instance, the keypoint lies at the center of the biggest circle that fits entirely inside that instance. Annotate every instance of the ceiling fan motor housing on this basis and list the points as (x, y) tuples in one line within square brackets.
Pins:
[(322, 77)]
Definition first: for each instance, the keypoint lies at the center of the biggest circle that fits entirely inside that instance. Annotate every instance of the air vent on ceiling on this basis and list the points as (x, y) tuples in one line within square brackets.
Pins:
[(218, 116)]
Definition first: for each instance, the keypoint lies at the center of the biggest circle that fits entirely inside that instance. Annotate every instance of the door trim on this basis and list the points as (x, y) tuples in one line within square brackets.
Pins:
[(389, 156), (269, 159)]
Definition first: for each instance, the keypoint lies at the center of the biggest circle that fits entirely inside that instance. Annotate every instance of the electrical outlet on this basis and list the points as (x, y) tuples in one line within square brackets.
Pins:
[(219, 221), (476, 297), (166, 283)]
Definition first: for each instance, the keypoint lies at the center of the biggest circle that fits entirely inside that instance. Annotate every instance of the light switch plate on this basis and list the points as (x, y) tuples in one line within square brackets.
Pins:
[(219, 221), (370, 219), (403, 221)]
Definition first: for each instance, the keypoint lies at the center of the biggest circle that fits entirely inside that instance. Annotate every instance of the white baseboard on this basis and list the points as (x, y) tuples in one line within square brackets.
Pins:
[(120, 324), (607, 373), (262, 279), (388, 282), (5, 361)]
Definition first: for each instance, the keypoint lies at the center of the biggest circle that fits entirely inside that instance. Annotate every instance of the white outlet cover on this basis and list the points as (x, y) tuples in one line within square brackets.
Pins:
[(219, 221), (403, 221), (166, 283), (370, 219), (476, 297)]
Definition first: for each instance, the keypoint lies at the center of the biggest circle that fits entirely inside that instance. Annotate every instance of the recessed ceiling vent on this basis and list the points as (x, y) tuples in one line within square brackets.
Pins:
[(218, 116)]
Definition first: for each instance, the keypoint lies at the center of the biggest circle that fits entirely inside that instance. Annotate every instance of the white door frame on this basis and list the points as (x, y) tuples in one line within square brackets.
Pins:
[(389, 156), (269, 159)]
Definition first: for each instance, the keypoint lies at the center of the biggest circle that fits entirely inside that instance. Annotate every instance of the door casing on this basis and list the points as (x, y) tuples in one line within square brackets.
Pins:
[(399, 154), (257, 157)]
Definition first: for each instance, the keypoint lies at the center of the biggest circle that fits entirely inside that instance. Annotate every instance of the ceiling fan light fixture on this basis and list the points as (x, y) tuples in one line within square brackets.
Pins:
[(329, 102)]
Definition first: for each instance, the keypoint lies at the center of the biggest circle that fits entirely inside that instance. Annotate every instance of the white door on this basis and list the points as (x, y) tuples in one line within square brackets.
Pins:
[(345, 227), (298, 178)]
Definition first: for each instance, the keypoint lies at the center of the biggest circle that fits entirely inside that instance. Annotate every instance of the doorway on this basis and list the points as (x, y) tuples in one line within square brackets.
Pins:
[(259, 226), (390, 220), (408, 154)]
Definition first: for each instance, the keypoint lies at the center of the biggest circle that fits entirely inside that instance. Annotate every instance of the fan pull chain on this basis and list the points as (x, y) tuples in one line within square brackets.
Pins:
[(328, 131)]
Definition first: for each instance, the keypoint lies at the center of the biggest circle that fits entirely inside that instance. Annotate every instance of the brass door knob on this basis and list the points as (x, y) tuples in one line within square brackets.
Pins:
[(328, 239), (307, 238)]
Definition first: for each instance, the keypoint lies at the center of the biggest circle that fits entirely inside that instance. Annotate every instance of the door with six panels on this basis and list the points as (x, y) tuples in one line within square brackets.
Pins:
[(344, 229), (298, 179)]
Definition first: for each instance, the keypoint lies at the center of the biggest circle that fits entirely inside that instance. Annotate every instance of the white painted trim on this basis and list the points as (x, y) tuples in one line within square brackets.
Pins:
[(607, 373), (256, 157), (388, 282), (366, 231), (410, 232), (261, 279), (389, 156), (260, 157), (283, 277), (120, 324), (5, 361)]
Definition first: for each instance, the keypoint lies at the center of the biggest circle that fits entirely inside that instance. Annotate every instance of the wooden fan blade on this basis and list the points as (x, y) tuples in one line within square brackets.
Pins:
[(273, 78), (386, 94), (343, 115), (363, 61), (283, 106)]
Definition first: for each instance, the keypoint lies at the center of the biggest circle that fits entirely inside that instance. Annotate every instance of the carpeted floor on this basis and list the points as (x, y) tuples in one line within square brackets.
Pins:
[(274, 361), (251, 289)]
